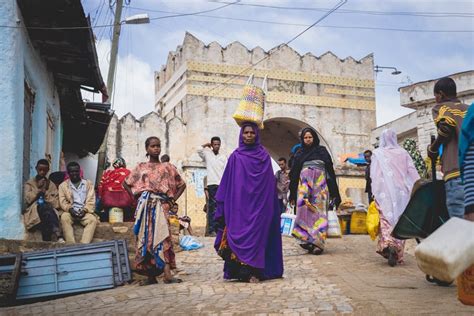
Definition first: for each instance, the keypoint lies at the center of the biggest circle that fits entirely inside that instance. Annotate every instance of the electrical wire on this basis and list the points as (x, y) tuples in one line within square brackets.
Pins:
[(337, 6), (109, 25), (349, 11), (305, 25)]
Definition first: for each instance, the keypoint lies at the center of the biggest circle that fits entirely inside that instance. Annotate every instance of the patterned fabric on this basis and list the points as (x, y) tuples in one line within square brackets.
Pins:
[(234, 268), (393, 175), (112, 180), (410, 146), (386, 240), (312, 203), (155, 177), (450, 113), (154, 245)]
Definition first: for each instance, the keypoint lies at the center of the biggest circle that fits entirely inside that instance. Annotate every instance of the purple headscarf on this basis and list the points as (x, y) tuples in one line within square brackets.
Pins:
[(247, 199)]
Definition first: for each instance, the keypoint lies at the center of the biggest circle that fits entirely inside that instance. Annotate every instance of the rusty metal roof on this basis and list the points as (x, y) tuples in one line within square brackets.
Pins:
[(70, 53), (62, 34)]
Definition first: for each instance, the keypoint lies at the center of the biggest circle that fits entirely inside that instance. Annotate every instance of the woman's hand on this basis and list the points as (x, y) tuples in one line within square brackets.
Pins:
[(310, 206)]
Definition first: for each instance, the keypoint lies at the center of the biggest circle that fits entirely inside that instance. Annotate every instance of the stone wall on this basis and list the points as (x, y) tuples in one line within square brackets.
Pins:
[(198, 89), (419, 96)]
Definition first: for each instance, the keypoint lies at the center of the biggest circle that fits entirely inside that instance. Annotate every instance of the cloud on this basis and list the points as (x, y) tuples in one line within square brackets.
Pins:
[(420, 56), (133, 88)]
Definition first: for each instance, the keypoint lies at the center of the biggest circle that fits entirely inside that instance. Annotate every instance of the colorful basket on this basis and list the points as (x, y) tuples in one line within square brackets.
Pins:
[(252, 104)]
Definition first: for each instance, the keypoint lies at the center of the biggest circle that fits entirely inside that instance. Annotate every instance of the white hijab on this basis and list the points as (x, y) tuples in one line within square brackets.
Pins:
[(393, 175)]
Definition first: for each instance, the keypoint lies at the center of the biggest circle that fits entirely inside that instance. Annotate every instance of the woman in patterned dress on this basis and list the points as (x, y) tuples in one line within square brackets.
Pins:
[(393, 175), (158, 186), (312, 186), (410, 146)]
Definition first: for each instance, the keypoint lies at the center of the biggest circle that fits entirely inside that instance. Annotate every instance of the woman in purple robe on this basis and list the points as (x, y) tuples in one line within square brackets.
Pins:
[(249, 238)]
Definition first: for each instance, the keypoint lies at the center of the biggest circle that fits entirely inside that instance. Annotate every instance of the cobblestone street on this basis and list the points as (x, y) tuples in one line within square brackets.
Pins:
[(348, 278)]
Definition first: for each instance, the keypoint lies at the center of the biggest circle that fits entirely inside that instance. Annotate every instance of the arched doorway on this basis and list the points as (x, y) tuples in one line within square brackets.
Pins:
[(281, 134)]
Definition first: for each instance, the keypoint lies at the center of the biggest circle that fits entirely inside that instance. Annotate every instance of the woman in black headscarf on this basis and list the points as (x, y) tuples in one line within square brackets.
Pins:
[(312, 187)]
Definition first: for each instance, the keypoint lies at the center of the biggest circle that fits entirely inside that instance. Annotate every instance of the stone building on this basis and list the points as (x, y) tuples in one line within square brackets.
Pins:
[(419, 97), (45, 65), (198, 89)]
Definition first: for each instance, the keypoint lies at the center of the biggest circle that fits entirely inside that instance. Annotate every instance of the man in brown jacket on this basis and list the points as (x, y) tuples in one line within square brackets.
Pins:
[(41, 202), (448, 115), (77, 204)]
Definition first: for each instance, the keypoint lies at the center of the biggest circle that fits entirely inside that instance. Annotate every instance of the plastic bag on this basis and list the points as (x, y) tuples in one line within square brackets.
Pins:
[(287, 223), (190, 243), (373, 221), (334, 228)]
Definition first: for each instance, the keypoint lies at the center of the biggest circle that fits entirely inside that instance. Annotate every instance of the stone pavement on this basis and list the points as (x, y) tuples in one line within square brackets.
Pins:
[(349, 278)]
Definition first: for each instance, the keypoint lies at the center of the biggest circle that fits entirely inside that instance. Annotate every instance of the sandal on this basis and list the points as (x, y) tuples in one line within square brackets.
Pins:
[(432, 279), (172, 280), (147, 282), (253, 279), (317, 251), (392, 257)]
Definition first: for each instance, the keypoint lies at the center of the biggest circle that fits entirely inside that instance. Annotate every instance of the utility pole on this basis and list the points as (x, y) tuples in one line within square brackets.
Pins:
[(110, 83), (114, 48)]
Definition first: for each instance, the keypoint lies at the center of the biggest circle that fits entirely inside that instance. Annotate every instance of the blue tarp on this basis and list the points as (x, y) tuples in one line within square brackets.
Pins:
[(360, 160)]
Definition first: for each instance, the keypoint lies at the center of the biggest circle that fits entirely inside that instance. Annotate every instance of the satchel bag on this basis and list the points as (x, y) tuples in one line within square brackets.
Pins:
[(252, 104)]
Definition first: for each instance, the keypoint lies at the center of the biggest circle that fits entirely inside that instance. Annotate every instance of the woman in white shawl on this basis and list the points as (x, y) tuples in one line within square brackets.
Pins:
[(393, 175)]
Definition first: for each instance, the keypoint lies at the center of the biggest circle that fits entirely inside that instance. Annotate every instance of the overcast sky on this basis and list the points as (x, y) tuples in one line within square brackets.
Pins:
[(419, 55)]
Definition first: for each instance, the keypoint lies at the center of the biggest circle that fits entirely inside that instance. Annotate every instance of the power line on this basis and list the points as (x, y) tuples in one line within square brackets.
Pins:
[(109, 25), (305, 25), (195, 13), (340, 4), (349, 11)]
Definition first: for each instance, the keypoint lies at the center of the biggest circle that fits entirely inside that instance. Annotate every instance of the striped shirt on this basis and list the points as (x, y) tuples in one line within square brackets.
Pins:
[(468, 173)]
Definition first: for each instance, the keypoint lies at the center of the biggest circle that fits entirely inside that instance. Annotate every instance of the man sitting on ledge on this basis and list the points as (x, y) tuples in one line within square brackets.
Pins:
[(77, 203), (41, 201)]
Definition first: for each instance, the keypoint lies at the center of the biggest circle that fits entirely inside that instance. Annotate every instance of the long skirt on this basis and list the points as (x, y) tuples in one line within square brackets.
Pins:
[(233, 267), (311, 222), (150, 258), (386, 240)]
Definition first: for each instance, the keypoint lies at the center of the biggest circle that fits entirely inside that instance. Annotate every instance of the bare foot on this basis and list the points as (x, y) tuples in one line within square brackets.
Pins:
[(254, 280)]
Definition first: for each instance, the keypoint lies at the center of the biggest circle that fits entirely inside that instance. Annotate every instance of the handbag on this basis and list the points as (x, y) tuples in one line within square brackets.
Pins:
[(252, 104), (120, 199)]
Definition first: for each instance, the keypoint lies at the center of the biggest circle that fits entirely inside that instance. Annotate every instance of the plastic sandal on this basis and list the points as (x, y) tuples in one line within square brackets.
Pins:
[(172, 280)]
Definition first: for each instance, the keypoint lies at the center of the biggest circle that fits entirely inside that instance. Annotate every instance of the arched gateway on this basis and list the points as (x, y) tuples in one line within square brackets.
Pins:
[(198, 89), (281, 134)]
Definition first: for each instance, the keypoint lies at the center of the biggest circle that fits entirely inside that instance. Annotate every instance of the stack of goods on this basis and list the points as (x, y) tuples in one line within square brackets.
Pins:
[(359, 220), (345, 216)]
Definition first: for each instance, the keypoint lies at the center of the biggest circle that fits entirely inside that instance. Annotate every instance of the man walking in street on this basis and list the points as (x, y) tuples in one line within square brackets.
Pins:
[(368, 180), (448, 115), (215, 165), (283, 183), (77, 203)]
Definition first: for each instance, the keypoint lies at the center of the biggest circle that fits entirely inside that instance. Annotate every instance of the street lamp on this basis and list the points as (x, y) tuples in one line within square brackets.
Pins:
[(134, 19), (137, 19), (395, 71)]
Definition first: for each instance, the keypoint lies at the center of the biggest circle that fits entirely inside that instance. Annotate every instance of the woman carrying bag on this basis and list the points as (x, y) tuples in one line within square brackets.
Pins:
[(312, 186)]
